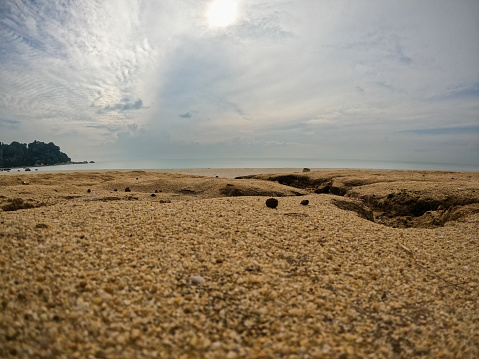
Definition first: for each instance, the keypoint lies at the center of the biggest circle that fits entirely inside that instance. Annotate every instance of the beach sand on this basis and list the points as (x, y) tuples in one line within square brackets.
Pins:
[(130, 264)]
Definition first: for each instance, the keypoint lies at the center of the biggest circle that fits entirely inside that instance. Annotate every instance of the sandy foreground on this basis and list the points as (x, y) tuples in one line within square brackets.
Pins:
[(132, 264)]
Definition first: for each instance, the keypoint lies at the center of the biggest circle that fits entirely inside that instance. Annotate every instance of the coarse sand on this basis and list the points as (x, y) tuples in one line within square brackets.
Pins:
[(144, 264)]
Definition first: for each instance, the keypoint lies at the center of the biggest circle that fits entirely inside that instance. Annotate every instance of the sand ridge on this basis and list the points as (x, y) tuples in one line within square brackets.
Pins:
[(201, 271)]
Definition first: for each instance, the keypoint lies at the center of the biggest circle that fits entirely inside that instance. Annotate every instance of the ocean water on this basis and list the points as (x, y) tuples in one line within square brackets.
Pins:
[(257, 163)]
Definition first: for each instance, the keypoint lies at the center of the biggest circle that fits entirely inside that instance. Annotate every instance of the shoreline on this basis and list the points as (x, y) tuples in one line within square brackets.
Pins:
[(206, 172), (226, 172), (293, 164)]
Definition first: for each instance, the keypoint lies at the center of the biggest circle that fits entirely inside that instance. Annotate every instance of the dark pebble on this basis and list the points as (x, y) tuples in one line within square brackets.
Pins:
[(272, 203), (153, 195), (305, 202), (127, 189), (88, 190)]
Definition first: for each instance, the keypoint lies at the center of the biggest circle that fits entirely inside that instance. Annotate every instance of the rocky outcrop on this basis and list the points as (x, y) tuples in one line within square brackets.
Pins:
[(394, 198)]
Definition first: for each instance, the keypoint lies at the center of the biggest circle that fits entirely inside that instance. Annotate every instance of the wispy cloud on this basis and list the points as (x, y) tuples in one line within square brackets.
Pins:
[(456, 130), (124, 105), (66, 59), (185, 115), (460, 92)]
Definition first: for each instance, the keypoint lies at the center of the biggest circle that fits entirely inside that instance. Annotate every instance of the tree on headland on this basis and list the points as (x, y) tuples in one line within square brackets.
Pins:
[(34, 154)]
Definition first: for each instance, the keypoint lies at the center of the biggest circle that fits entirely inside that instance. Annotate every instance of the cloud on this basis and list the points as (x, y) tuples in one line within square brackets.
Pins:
[(68, 60), (107, 128), (124, 105), (460, 92), (10, 123), (185, 115), (450, 131)]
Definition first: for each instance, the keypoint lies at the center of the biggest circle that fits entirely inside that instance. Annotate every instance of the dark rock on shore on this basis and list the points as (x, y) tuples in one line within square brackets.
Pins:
[(272, 203)]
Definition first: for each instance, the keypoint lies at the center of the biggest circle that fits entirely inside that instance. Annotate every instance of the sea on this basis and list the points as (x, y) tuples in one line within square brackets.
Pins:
[(294, 163)]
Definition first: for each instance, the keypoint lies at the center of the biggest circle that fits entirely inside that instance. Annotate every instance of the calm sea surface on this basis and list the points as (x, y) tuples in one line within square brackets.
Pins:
[(257, 163)]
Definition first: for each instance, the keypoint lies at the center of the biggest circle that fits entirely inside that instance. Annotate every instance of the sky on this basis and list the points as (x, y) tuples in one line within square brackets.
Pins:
[(394, 80)]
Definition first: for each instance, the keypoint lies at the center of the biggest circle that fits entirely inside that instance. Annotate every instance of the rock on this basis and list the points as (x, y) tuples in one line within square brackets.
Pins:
[(306, 170), (305, 202), (89, 190), (196, 279), (153, 195), (127, 189), (323, 189), (272, 203)]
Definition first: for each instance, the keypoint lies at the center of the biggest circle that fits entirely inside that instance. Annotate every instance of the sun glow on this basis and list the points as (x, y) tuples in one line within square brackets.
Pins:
[(222, 13)]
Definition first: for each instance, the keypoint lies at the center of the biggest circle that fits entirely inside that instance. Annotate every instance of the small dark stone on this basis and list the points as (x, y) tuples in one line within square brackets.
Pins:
[(196, 279), (306, 170), (153, 195), (272, 203), (88, 190), (156, 191), (127, 189), (304, 202), (137, 178), (115, 190)]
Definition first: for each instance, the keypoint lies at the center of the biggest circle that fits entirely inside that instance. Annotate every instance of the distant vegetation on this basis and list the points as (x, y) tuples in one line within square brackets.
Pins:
[(34, 154)]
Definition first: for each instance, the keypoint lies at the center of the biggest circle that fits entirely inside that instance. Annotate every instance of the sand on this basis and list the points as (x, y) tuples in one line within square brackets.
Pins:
[(188, 266)]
